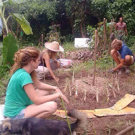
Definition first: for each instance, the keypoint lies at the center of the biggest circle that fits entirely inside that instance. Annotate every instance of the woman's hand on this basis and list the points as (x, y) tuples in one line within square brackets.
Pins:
[(56, 79), (61, 95), (64, 98)]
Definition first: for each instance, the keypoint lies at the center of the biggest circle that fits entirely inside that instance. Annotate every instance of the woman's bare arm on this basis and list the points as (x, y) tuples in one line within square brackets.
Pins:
[(40, 85), (37, 99), (47, 61), (119, 65)]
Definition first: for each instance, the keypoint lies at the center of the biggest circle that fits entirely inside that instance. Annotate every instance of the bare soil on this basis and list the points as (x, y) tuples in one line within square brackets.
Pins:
[(110, 87)]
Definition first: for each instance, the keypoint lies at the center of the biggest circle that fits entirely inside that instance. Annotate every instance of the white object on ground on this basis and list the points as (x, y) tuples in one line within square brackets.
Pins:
[(1, 113), (81, 42), (65, 62), (41, 72)]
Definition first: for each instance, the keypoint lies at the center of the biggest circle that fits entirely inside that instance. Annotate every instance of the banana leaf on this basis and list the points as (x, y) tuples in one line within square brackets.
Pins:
[(1, 4), (9, 49), (23, 23)]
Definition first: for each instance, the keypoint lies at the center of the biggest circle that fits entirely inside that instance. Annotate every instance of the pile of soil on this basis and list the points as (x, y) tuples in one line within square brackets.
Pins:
[(86, 84), (81, 54)]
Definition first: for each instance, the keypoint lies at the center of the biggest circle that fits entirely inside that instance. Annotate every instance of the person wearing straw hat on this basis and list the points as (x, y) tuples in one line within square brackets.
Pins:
[(49, 60)]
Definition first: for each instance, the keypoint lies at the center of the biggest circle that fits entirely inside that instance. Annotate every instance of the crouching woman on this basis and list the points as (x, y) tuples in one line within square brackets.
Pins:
[(121, 54), (25, 95)]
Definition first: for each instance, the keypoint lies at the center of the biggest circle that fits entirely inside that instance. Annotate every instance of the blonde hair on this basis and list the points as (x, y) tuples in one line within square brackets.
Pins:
[(52, 54), (116, 43), (23, 56)]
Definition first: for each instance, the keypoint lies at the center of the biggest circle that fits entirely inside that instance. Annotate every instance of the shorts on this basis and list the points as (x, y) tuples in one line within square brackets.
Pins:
[(19, 116), (133, 59)]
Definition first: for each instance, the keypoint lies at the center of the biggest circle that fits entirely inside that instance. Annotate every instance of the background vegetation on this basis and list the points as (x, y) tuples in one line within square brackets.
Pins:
[(61, 20), (71, 18)]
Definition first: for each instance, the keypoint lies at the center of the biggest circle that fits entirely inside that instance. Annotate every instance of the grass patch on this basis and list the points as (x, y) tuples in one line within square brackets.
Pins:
[(104, 64), (3, 84), (82, 66), (69, 46)]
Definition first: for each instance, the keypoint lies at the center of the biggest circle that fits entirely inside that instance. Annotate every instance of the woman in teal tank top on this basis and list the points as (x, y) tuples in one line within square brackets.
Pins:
[(26, 96)]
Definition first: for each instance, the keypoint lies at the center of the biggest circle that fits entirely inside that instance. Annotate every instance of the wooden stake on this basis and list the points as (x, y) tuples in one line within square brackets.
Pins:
[(105, 37), (66, 85), (97, 95), (111, 30), (85, 95), (70, 90), (76, 89), (73, 78), (123, 132), (42, 40), (95, 50), (117, 82)]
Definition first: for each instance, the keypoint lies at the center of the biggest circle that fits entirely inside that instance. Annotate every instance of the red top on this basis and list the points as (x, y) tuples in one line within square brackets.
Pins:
[(120, 26)]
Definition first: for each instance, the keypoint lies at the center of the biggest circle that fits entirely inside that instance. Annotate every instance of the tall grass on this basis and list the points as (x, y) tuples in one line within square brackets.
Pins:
[(69, 46), (104, 64)]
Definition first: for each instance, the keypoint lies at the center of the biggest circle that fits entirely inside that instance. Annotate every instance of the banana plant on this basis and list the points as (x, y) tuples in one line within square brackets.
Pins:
[(2, 11), (10, 42), (18, 17)]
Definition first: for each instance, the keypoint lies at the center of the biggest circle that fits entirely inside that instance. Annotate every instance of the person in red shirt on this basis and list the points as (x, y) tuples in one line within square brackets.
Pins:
[(121, 29)]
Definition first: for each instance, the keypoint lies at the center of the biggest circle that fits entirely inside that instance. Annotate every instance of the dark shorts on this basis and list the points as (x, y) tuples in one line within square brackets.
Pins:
[(134, 58)]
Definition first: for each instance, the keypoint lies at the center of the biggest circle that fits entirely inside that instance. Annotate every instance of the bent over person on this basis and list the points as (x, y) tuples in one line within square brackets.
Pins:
[(121, 54), (26, 96), (49, 62)]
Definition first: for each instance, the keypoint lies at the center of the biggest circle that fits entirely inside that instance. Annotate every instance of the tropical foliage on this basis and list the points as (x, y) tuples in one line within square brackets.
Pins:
[(9, 48)]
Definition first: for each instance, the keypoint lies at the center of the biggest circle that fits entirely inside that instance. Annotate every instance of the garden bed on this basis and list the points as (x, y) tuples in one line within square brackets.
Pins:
[(110, 87)]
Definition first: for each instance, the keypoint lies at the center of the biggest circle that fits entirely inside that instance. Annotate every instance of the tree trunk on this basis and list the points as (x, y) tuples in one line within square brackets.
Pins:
[(81, 30)]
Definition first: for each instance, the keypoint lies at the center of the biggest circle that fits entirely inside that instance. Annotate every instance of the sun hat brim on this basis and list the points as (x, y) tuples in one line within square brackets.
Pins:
[(47, 45)]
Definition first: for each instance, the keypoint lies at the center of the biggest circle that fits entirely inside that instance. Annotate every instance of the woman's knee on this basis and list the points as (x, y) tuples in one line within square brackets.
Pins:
[(128, 59), (52, 107)]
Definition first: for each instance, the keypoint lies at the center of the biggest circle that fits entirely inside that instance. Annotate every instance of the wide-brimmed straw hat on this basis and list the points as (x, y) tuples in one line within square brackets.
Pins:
[(54, 46)]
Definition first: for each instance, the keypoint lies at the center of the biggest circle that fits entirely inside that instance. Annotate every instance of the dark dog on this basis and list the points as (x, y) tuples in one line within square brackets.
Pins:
[(36, 126)]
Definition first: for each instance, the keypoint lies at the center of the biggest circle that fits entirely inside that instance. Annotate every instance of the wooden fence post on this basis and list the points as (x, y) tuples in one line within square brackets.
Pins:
[(105, 37), (95, 50)]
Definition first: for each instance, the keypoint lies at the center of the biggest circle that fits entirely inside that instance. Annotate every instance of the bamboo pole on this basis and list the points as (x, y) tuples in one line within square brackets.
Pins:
[(105, 37), (111, 30), (97, 95), (41, 42), (95, 50), (123, 132)]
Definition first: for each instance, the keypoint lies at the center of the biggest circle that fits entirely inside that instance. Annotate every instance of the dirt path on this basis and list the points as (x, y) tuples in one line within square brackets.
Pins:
[(111, 89)]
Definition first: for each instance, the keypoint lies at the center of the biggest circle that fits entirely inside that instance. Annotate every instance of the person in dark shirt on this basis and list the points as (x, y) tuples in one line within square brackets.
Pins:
[(121, 54)]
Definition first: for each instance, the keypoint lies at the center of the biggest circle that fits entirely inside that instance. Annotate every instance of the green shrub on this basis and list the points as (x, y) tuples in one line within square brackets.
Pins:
[(3, 70)]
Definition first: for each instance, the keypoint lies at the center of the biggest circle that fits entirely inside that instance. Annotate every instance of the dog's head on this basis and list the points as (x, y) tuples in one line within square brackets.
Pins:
[(5, 127)]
